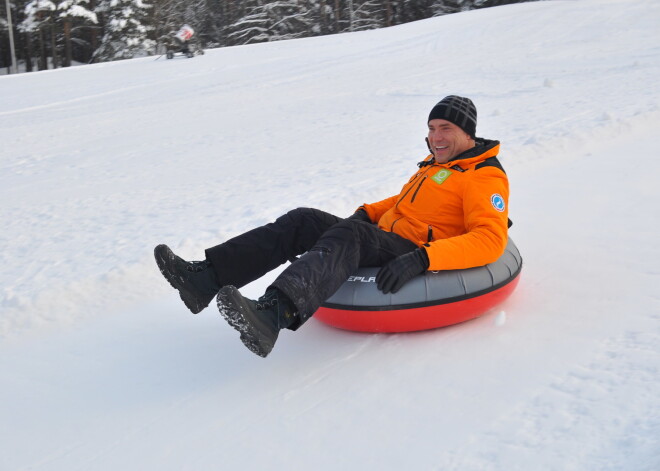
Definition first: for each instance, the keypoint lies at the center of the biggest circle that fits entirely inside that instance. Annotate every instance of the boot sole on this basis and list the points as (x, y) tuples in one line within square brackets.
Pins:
[(165, 261), (238, 314)]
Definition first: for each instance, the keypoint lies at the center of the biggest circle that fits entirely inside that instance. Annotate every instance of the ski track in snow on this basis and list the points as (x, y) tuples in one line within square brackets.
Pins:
[(101, 367), (602, 394)]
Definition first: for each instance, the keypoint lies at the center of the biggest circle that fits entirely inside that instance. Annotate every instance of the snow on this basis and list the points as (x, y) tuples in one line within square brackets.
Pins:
[(102, 367)]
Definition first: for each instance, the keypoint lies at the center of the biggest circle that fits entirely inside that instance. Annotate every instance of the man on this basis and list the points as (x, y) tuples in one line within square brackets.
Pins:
[(451, 214)]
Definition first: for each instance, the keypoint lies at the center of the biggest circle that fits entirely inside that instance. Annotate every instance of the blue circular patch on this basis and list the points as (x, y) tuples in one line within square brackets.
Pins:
[(498, 202)]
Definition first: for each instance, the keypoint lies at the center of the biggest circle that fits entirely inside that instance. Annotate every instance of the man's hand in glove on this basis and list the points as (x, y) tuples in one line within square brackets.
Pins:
[(392, 276)]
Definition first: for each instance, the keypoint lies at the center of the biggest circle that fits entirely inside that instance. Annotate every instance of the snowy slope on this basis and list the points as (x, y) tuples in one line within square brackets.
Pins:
[(102, 367)]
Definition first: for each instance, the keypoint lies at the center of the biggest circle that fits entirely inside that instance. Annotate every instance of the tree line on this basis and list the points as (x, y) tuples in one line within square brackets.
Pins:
[(57, 33)]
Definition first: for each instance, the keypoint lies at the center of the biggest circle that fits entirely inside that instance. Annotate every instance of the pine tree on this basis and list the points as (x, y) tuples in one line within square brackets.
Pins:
[(445, 7), (72, 14), (40, 21), (5, 55), (405, 11), (126, 30)]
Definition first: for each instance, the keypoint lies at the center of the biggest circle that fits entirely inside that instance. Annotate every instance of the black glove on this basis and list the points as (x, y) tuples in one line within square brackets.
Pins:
[(393, 275), (360, 215)]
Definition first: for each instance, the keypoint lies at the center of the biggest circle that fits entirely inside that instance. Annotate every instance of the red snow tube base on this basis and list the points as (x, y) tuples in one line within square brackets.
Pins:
[(428, 301)]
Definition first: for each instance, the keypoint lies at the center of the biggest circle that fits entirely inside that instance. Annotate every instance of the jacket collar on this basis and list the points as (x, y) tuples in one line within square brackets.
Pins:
[(483, 149)]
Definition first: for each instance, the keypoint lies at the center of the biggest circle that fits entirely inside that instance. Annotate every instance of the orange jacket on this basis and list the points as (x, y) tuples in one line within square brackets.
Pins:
[(458, 211)]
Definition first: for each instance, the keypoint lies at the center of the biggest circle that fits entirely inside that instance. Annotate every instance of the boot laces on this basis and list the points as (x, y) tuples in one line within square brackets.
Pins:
[(197, 267), (281, 307), (266, 302)]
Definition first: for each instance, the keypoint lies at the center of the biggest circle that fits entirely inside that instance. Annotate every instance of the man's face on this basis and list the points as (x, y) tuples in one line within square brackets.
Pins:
[(447, 140)]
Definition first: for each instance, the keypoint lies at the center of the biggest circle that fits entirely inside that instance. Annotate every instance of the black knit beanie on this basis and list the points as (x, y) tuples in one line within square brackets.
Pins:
[(458, 110)]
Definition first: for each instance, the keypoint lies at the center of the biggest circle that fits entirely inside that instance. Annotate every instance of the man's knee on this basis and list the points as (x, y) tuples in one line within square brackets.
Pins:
[(345, 231), (294, 217), (358, 226), (301, 213), (314, 216)]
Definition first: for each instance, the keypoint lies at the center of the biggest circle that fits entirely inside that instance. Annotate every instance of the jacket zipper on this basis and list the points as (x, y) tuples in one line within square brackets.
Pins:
[(408, 190), (430, 236), (412, 182), (418, 187)]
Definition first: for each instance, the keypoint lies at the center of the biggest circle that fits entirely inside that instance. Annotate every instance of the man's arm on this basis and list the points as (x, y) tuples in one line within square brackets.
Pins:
[(376, 210), (485, 209)]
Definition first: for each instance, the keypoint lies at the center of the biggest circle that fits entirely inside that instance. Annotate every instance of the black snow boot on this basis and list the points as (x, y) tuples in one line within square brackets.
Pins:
[(196, 281), (259, 322)]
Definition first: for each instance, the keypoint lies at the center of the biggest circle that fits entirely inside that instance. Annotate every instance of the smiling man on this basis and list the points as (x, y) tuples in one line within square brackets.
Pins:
[(447, 138), (455, 206), (451, 214)]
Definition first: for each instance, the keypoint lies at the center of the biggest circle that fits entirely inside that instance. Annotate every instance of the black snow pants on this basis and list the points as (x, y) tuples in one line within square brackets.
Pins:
[(324, 250)]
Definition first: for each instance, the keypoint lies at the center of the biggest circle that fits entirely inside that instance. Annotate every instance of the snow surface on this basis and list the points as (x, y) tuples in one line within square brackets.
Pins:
[(103, 368)]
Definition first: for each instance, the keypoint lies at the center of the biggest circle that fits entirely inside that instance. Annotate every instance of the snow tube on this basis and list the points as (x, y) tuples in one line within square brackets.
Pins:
[(434, 299)]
